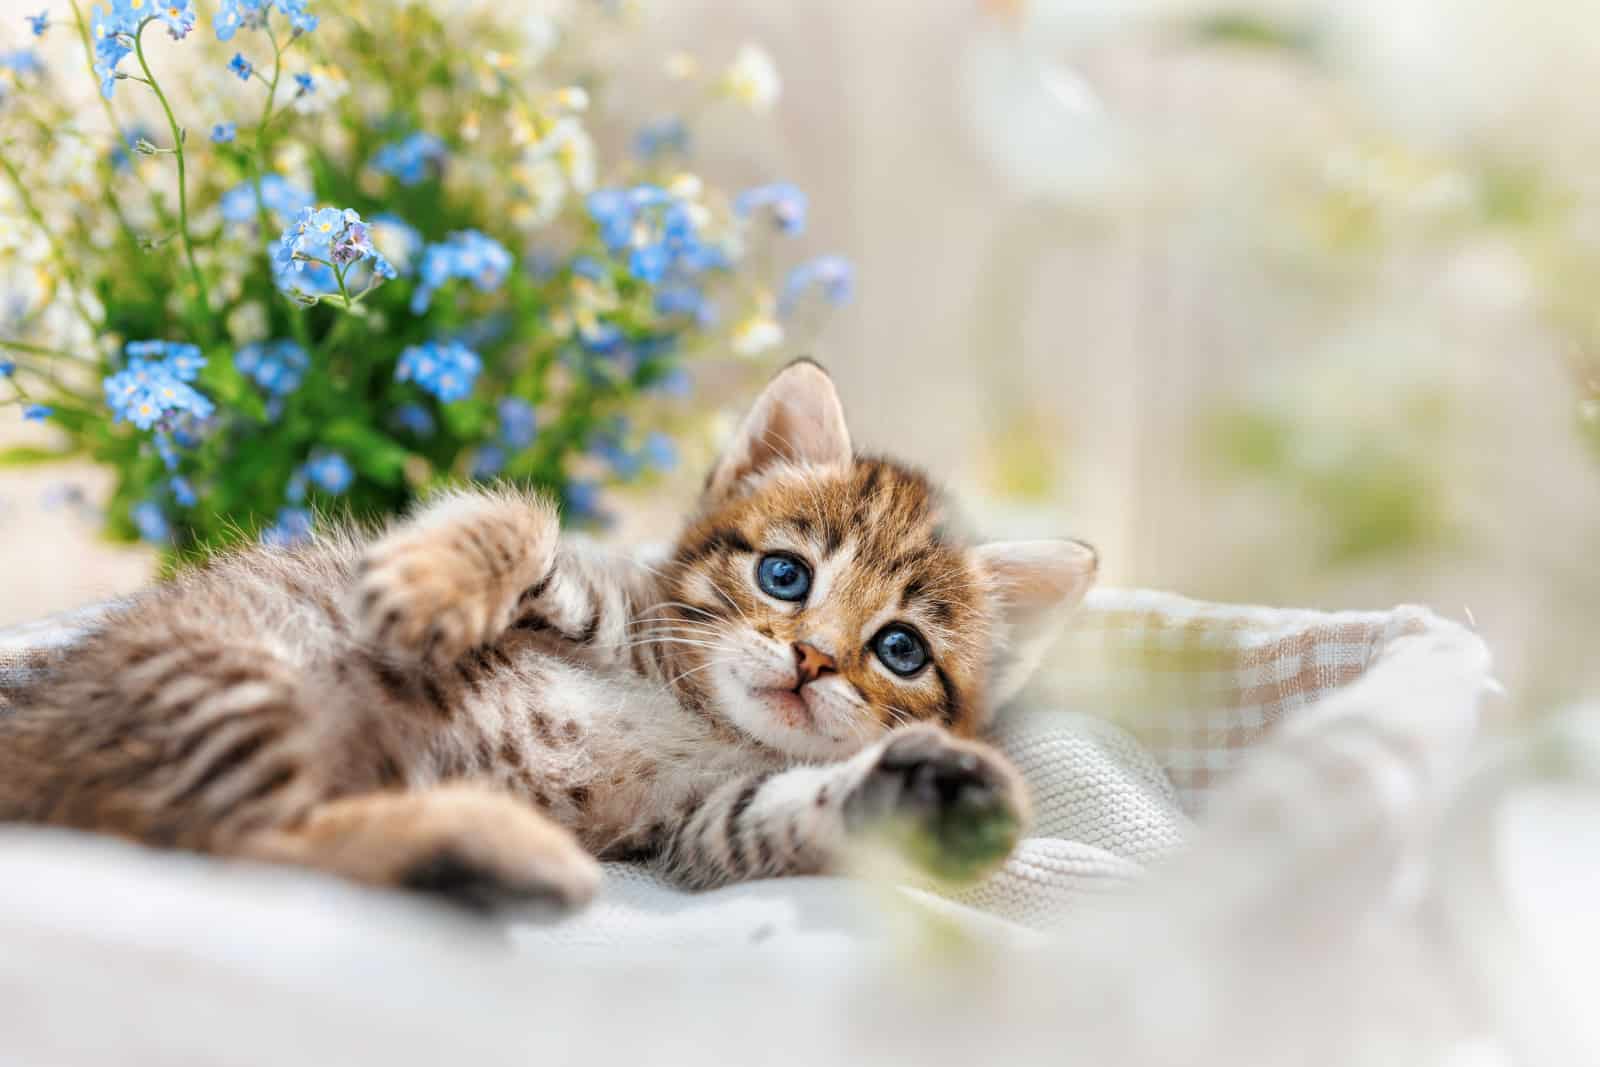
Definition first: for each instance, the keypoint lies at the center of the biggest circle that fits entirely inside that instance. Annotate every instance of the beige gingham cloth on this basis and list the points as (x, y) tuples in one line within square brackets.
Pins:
[(1201, 684)]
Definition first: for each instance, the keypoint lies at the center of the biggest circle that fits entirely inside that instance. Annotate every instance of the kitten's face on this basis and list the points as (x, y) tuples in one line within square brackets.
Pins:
[(821, 599), (832, 605)]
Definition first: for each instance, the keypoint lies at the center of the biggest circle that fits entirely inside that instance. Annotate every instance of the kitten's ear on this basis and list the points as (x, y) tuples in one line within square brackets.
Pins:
[(796, 419), (1032, 587)]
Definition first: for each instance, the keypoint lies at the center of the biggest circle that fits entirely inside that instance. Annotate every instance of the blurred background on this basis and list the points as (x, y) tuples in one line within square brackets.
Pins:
[(1283, 302)]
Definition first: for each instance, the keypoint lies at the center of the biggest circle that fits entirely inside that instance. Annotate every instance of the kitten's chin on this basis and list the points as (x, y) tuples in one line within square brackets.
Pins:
[(778, 718)]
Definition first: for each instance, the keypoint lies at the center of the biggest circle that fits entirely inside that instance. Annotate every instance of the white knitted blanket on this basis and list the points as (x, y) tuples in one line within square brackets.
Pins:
[(1104, 811)]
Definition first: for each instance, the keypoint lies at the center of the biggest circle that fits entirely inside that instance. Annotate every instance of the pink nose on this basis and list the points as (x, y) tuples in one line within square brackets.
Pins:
[(812, 663)]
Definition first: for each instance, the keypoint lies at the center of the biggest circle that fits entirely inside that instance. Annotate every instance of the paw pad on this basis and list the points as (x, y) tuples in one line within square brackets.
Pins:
[(956, 808)]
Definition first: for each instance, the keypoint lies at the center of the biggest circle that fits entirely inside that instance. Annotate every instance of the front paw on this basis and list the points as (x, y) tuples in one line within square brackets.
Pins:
[(430, 591), (956, 807), (416, 603)]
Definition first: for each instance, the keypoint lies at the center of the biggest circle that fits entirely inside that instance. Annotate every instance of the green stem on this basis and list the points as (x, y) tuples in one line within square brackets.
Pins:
[(40, 350), (272, 91), (297, 318), (88, 56), (330, 342), (371, 285), (55, 404), (59, 396), (62, 263), (111, 114), (183, 191)]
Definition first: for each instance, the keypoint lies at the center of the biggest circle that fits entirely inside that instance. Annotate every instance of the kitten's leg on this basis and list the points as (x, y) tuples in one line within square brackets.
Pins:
[(956, 807), (451, 578), (465, 842), (166, 736), (171, 733)]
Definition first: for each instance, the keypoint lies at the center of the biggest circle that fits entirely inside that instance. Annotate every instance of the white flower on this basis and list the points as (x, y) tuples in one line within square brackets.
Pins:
[(577, 159), (572, 98), (686, 186), (757, 334), (546, 189), (569, 144), (753, 78)]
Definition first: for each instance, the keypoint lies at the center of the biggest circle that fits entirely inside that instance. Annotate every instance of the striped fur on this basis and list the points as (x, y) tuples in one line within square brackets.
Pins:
[(469, 704)]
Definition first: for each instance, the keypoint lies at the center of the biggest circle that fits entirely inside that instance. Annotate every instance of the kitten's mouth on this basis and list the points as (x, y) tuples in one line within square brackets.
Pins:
[(788, 705)]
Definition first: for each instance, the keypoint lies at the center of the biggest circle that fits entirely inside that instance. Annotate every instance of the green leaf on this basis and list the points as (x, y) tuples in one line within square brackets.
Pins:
[(223, 383), (1248, 30), (342, 304), (30, 456), (374, 454), (466, 418)]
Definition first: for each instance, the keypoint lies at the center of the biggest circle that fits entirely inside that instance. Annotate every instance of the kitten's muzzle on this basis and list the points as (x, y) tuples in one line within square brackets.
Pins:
[(811, 663)]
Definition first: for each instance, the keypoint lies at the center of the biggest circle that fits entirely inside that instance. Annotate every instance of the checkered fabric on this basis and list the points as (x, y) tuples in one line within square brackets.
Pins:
[(1201, 684)]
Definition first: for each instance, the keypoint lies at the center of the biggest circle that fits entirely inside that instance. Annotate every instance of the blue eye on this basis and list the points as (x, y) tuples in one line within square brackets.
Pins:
[(784, 577), (900, 649)]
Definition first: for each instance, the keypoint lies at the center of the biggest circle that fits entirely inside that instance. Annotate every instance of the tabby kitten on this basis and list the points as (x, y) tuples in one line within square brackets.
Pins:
[(470, 705)]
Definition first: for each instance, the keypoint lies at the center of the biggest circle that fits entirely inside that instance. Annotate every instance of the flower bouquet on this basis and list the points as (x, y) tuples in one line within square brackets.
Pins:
[(302, 262)]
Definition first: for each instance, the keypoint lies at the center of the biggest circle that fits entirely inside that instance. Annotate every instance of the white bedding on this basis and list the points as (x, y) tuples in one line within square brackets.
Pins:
[(1325, 905)]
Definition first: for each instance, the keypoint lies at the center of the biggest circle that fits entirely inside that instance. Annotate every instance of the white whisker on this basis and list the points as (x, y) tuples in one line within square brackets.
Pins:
[(695, 670), (671, 604), (717, 588), (670, 641)]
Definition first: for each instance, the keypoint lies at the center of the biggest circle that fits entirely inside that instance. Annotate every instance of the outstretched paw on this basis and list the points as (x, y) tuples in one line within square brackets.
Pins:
[(464, 844), (450, 580), (521, 858), (956, 807)]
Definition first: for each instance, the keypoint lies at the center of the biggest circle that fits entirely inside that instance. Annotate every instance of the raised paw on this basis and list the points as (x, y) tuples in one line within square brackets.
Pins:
[(956, 807), (450, 580)]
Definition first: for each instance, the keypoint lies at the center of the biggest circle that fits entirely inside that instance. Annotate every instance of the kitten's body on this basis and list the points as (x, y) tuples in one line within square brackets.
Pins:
[(467, 704)]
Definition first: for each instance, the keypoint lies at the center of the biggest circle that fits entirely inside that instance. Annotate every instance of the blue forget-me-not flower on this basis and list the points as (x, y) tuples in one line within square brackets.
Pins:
[(447, 369), (466, 254)]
